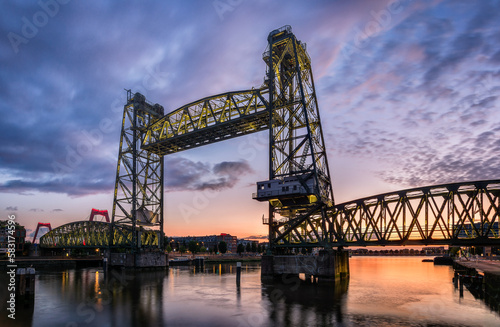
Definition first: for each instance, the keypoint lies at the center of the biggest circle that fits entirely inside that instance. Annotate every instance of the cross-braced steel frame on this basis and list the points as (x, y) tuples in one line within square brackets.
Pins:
[(209, 120), (138, 196), (296, 144), (455, 214)]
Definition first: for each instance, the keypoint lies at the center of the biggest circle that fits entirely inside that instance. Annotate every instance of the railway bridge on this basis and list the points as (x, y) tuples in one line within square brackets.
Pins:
[(301, 211)]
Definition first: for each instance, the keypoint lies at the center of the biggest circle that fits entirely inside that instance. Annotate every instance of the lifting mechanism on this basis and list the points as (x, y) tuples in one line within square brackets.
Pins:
[(299, 189)]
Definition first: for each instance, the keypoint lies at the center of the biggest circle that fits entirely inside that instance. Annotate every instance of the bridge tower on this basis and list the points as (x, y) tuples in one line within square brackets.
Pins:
[(138, 195), (38, 228), (299, 188)]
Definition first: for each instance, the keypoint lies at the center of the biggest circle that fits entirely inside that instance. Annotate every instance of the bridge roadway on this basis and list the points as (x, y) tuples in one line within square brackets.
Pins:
[(462, 214)]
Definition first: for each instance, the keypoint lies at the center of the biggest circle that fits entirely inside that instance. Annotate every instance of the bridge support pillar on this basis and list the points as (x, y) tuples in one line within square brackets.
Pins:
[(139, 260), (327, 266)]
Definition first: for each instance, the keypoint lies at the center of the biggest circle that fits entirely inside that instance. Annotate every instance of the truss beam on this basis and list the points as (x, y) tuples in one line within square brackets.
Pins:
[(96, 234), (209, 120), (450, 214)]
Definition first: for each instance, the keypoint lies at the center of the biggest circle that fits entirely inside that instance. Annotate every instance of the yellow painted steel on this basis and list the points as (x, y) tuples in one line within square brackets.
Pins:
[(208, 120), (92, 234)]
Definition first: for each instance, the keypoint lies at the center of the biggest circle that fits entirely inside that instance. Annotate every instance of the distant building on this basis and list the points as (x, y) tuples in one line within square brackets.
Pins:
[(245, 242), (231, 241), (19, 236), (210, 242), (435, 249)]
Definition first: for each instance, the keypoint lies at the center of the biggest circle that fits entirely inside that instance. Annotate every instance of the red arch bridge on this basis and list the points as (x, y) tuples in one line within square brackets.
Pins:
[(462, 214)]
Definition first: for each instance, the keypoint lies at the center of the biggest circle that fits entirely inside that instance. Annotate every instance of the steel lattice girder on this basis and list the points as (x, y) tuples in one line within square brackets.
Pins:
[(452, 214), (209, 120), (297, 145), (94, 234), (138, 195)]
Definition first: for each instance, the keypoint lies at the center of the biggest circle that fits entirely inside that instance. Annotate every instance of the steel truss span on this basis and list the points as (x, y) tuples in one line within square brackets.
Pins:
[(449, 214), (209, 120), (96, 234)]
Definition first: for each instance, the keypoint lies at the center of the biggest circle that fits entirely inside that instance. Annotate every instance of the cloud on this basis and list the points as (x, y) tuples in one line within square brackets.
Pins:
[(36, 210), (57, 210), (424, 86), (182, 174), (75, 185), (11, 208)]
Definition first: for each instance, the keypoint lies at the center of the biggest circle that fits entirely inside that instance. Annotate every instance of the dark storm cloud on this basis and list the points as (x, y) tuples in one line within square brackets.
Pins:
[(484, 16), (59, 89), (62, 92), (462, 47), (71, 187), (62, 89), (496, 57), (472, 159), (182, 174), (424, 104)]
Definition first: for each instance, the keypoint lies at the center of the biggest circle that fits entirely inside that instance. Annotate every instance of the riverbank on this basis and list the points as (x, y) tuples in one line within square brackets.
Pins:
[(223, 258), (490, 272), (54, 262), (490, 267)]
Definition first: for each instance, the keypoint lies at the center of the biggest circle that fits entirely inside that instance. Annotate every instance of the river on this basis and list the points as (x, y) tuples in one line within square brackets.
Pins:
[(382, 291)]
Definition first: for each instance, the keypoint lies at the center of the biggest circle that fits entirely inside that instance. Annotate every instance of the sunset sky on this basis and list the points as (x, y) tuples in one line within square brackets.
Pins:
[(407, 92)]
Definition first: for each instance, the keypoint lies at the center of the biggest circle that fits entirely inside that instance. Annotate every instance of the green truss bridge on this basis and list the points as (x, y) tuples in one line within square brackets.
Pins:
[(96, 234)]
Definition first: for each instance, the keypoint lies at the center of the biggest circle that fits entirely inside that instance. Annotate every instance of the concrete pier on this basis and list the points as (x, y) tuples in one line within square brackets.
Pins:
[(327, 266), (139, 260), (487, 287)]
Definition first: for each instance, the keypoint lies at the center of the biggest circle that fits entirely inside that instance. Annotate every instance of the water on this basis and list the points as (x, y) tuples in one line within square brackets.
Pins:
[(382, 291)]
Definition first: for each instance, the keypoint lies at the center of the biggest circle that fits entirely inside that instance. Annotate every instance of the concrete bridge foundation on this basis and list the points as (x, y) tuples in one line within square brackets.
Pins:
[(327, 266), (139, 260)]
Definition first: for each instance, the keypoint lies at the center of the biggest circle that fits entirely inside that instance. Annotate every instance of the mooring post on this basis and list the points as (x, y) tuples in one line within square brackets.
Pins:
[(461, 281), (25, 285), (238, 273), (455, 279)]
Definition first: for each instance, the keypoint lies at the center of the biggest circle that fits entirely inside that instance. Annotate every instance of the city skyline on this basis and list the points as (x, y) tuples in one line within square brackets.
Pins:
[(406, 92)]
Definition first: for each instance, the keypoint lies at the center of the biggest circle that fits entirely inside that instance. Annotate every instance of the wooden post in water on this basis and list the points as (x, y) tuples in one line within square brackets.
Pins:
[(461, 282), (238, 273), (25, 285)]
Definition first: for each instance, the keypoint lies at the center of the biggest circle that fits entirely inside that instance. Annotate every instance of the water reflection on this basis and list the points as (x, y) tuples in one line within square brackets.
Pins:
[(134, 299), (380, 292), (91, 297), (294, 302), (23, 310)]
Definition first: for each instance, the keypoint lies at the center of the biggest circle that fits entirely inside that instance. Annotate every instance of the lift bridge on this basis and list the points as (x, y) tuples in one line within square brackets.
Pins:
[(302, 212)]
